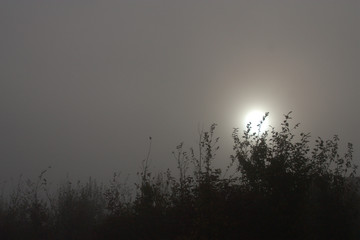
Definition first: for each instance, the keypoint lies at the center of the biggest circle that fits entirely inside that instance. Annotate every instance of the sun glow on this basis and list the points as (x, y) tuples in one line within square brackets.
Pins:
[(255, 117)]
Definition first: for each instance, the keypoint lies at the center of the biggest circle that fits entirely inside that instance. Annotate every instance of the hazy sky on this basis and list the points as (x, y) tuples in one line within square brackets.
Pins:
[(83, 84)]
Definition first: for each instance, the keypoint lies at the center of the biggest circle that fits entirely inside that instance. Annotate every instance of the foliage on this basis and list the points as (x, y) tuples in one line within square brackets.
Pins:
[(283, 187)]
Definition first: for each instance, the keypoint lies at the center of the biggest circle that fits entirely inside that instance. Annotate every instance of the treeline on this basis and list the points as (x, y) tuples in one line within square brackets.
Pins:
[(275, 187)]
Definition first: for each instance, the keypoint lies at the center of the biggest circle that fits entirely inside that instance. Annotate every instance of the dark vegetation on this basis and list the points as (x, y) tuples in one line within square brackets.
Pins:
[(275, 187)]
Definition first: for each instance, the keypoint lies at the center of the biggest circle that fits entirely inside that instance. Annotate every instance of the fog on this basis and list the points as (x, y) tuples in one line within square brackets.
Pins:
[(84, 84)]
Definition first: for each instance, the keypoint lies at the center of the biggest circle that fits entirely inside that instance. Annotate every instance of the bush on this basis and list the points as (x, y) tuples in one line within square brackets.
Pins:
[(281, 188)]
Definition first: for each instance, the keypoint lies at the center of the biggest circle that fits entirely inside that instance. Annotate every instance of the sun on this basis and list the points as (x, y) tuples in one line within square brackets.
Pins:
[(254, 117)]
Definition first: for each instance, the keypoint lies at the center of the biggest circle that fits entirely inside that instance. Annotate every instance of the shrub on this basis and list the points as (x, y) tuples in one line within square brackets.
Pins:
[(282, 187)]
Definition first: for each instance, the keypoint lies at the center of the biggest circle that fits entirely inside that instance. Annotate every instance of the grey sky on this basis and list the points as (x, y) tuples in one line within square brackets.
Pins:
[(84, 83)]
